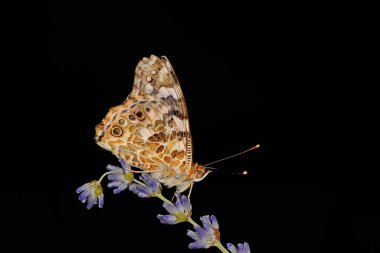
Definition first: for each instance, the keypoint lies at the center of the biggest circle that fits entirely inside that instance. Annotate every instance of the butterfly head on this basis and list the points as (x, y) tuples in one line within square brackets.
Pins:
[(200, 172)]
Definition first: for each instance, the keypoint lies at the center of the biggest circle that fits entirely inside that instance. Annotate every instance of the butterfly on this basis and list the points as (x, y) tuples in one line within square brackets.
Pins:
[(150, 129)]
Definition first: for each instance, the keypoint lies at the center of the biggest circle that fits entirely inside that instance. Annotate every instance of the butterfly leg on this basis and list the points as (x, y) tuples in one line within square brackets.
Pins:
[(191, 187), (175, 193)]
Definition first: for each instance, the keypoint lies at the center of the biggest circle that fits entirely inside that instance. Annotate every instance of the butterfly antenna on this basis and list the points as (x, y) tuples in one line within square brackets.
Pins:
[(255, 147), (227, 172)]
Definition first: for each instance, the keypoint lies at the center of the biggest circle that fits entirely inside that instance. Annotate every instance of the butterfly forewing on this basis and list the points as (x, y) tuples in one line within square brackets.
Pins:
[(156, 77)]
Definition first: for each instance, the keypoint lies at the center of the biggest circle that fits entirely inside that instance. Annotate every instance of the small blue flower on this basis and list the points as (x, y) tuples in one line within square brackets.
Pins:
[(205, 236), (180, 212), (152, 187), (121, 178), (242, 248), (92, 193)]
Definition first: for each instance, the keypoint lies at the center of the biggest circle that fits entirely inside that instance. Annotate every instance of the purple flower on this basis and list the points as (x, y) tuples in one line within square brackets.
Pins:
[(242, 248), (121, 178), (205, 236), (151, 188), (92, 193), (179, 212)]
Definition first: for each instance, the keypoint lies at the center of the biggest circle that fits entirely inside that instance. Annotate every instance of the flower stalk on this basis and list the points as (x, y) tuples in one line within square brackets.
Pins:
[(204, 236), (221, 247), (189, 219)]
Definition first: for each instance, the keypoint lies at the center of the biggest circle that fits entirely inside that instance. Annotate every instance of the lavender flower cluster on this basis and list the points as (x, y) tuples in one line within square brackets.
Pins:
[(121, 178)]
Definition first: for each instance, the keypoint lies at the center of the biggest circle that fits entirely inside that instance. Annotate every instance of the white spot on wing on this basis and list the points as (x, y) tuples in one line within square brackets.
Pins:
[(181, 146), (173, 93), (179, 123), (148, 88), (166, 92), (144, 133)]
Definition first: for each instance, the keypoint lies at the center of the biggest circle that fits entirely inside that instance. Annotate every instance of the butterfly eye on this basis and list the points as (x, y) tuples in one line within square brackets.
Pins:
[(199, 174), (116, 131), (121, 121)]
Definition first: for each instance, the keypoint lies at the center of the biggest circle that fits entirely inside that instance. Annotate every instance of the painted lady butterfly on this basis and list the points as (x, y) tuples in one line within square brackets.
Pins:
[(150, 130)]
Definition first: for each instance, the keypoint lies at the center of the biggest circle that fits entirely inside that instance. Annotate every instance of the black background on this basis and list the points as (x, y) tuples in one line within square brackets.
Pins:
[(284, 76)]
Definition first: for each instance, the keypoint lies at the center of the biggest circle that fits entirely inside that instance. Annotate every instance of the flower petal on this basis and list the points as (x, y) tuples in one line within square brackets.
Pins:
[(146, 178), (136, 189), (83, 196), (114, 168), (205, 236), (246, 248), (101, 200), (124, 164), (115, 177), (133, 187), (172, 209), (178, 203), (82, 188), (145, 190), (91, 201), (231, 248), (192, 234), (214, 221), (114, 184), (198, 245), (205, 220), (121, 187), (241, 248), (210, 232), (201, 232), (167, 219), (186, 204), (156, 186)]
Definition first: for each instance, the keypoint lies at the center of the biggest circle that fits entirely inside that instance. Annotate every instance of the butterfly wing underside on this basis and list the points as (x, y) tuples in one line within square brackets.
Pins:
[(150, 130), (155, 77)]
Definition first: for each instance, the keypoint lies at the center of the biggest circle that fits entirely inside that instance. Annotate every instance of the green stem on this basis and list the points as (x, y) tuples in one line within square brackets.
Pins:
[(139, 182), (190, 220), (221, 247), (105, 174), (160, 196)]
